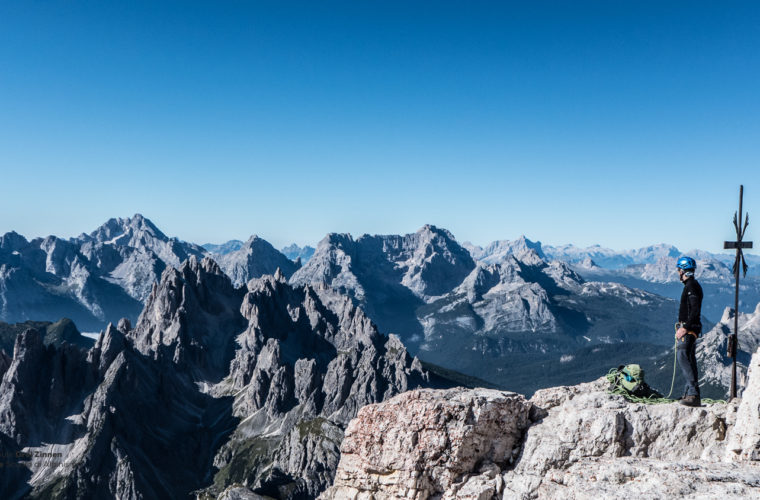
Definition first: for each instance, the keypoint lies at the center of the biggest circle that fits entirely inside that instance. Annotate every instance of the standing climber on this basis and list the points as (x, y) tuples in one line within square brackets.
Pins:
[(689, 329)]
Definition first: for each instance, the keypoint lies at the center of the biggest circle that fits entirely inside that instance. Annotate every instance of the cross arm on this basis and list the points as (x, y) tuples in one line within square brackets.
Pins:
[(737, 244)]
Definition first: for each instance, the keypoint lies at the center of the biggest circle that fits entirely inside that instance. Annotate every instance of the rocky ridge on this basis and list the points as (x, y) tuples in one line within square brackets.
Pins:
[(649, 268), (565, 442), (214, 387)]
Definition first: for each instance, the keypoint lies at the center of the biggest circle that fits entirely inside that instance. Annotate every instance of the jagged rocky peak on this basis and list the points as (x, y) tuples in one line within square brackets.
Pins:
[(58, 333), (255, 258), (656, 251), (432, 261), (109, 344), (428, 262), (530, 257), (308, 360), (137, 234), (663, 270), (499, 250), (191, 317), (291, 324), (126, 230), (61, 256), (332, 265), (565, 442), (12, 242), (41, 386)]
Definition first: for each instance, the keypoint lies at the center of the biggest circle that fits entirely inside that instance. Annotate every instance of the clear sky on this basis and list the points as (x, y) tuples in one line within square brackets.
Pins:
[(609, 122)]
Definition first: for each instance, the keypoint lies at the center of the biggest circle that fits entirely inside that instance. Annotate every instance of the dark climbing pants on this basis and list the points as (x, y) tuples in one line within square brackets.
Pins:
[(687, 360)]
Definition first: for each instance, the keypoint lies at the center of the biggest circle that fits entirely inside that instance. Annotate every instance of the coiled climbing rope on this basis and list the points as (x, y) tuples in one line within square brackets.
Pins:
[(616, 388)]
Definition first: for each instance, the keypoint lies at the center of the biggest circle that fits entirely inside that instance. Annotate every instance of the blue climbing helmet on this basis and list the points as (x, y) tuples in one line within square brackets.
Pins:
[(686, 263)]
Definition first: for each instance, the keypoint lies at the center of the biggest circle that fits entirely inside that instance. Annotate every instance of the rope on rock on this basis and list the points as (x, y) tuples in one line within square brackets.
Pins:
[(655, 398)]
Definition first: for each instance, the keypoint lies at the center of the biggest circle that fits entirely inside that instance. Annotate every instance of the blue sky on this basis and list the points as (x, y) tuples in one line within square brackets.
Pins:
[(610, 122)]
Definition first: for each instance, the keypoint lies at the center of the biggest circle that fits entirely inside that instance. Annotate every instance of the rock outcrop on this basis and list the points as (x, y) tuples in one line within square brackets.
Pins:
[(744, 441), (421, 443), (191, 318), (565, 442), (58, 333)]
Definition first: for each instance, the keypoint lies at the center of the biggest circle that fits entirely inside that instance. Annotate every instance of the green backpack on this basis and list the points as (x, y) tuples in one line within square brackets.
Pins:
[(629, 379)]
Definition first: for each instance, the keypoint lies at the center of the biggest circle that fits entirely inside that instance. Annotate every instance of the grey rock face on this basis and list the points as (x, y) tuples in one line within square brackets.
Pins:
[(308, 360), (427, 263), (420, 443), (108, 274), (92, 279), (148, 433), (123, 424), (190, 318), (744, 438), (58, 333), (40, 388), (133, 253), (480, 318), (255, 258), (257, 382), (46, 279)]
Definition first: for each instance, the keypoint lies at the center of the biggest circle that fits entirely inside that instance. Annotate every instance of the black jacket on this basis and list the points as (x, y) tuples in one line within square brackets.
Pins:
[(690, 311)]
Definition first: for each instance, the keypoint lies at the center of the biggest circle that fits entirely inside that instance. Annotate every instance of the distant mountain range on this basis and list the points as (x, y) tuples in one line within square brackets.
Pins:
[(651, 268), (109, 273), (468, 308), (243, 368), (486, 320)]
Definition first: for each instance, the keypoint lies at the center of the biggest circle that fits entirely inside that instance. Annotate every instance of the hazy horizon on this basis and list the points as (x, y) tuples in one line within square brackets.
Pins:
[(281, 244)]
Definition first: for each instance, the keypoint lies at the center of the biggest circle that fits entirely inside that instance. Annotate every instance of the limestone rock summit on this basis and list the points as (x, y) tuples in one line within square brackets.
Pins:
[(575, 442)]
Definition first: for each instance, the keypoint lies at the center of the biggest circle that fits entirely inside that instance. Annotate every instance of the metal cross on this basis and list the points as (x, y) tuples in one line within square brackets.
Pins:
[(739, 263)]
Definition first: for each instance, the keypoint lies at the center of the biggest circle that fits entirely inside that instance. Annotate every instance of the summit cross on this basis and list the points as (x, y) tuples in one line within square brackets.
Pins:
[(739, 264)]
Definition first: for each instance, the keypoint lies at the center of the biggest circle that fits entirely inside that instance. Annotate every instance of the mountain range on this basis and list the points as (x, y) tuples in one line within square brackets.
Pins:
[(241, 372), (109, 273), (649, 268), (503, 313), (492, 321), (213, 386)]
